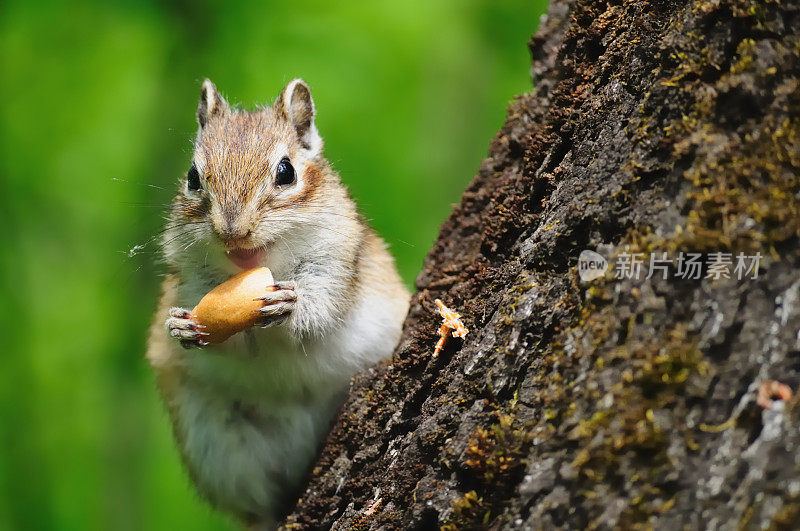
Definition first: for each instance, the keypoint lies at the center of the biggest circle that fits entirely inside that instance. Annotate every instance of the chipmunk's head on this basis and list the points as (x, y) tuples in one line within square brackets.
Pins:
[(255, 176)]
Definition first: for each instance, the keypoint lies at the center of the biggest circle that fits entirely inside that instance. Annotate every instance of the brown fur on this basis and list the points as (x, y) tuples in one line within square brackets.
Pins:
[(234, 150), (347, 285)]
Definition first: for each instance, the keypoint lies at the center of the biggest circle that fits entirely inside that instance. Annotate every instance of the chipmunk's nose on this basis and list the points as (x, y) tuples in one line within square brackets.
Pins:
[(233, 235), (232, 231)]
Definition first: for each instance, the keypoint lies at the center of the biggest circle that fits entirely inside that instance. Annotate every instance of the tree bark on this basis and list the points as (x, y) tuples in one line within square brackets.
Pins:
[(655, 127)]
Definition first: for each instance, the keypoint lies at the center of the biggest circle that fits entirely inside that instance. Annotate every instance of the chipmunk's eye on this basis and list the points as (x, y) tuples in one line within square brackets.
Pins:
[(193, 179), (285, 174)]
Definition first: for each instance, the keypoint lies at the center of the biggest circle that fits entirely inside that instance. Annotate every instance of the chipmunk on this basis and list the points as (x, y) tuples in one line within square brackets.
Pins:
[(249, 414)]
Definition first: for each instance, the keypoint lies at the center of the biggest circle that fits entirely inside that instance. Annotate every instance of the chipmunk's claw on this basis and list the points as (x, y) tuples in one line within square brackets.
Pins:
[(182, 326), (181, 313), (279, 303), (187, 343), (286, 284)]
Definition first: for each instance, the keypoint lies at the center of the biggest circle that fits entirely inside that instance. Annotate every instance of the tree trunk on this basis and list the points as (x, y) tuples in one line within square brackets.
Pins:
[(655, 127)]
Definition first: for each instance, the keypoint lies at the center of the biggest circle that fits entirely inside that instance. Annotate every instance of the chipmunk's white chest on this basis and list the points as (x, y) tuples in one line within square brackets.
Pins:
[(250, 413), (250, 421)]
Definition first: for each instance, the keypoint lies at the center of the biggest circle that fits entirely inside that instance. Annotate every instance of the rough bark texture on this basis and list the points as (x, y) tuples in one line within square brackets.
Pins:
[(654, 127)]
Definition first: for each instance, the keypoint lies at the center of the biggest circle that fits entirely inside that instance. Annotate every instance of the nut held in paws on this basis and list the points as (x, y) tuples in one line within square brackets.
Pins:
[(231, 307)]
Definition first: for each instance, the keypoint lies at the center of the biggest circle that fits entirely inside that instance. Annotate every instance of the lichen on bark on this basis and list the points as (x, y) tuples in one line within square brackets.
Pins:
[(654, 127)]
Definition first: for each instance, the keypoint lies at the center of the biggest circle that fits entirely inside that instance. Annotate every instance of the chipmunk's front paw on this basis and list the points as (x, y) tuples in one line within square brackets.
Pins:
[(182, 326), (279, 303)]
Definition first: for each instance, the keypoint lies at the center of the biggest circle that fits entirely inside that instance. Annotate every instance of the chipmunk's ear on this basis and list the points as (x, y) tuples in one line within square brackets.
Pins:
[(211, 104), (296, 106)]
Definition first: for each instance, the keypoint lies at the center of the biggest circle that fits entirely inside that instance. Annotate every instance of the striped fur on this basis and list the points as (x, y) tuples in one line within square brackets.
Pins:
[(248, 414)]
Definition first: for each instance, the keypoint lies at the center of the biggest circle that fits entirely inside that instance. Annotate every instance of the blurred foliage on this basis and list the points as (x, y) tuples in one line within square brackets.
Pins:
[(96, 127)]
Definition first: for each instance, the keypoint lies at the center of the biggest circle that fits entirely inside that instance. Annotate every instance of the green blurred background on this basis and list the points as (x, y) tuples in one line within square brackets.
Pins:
[(96, 123)]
